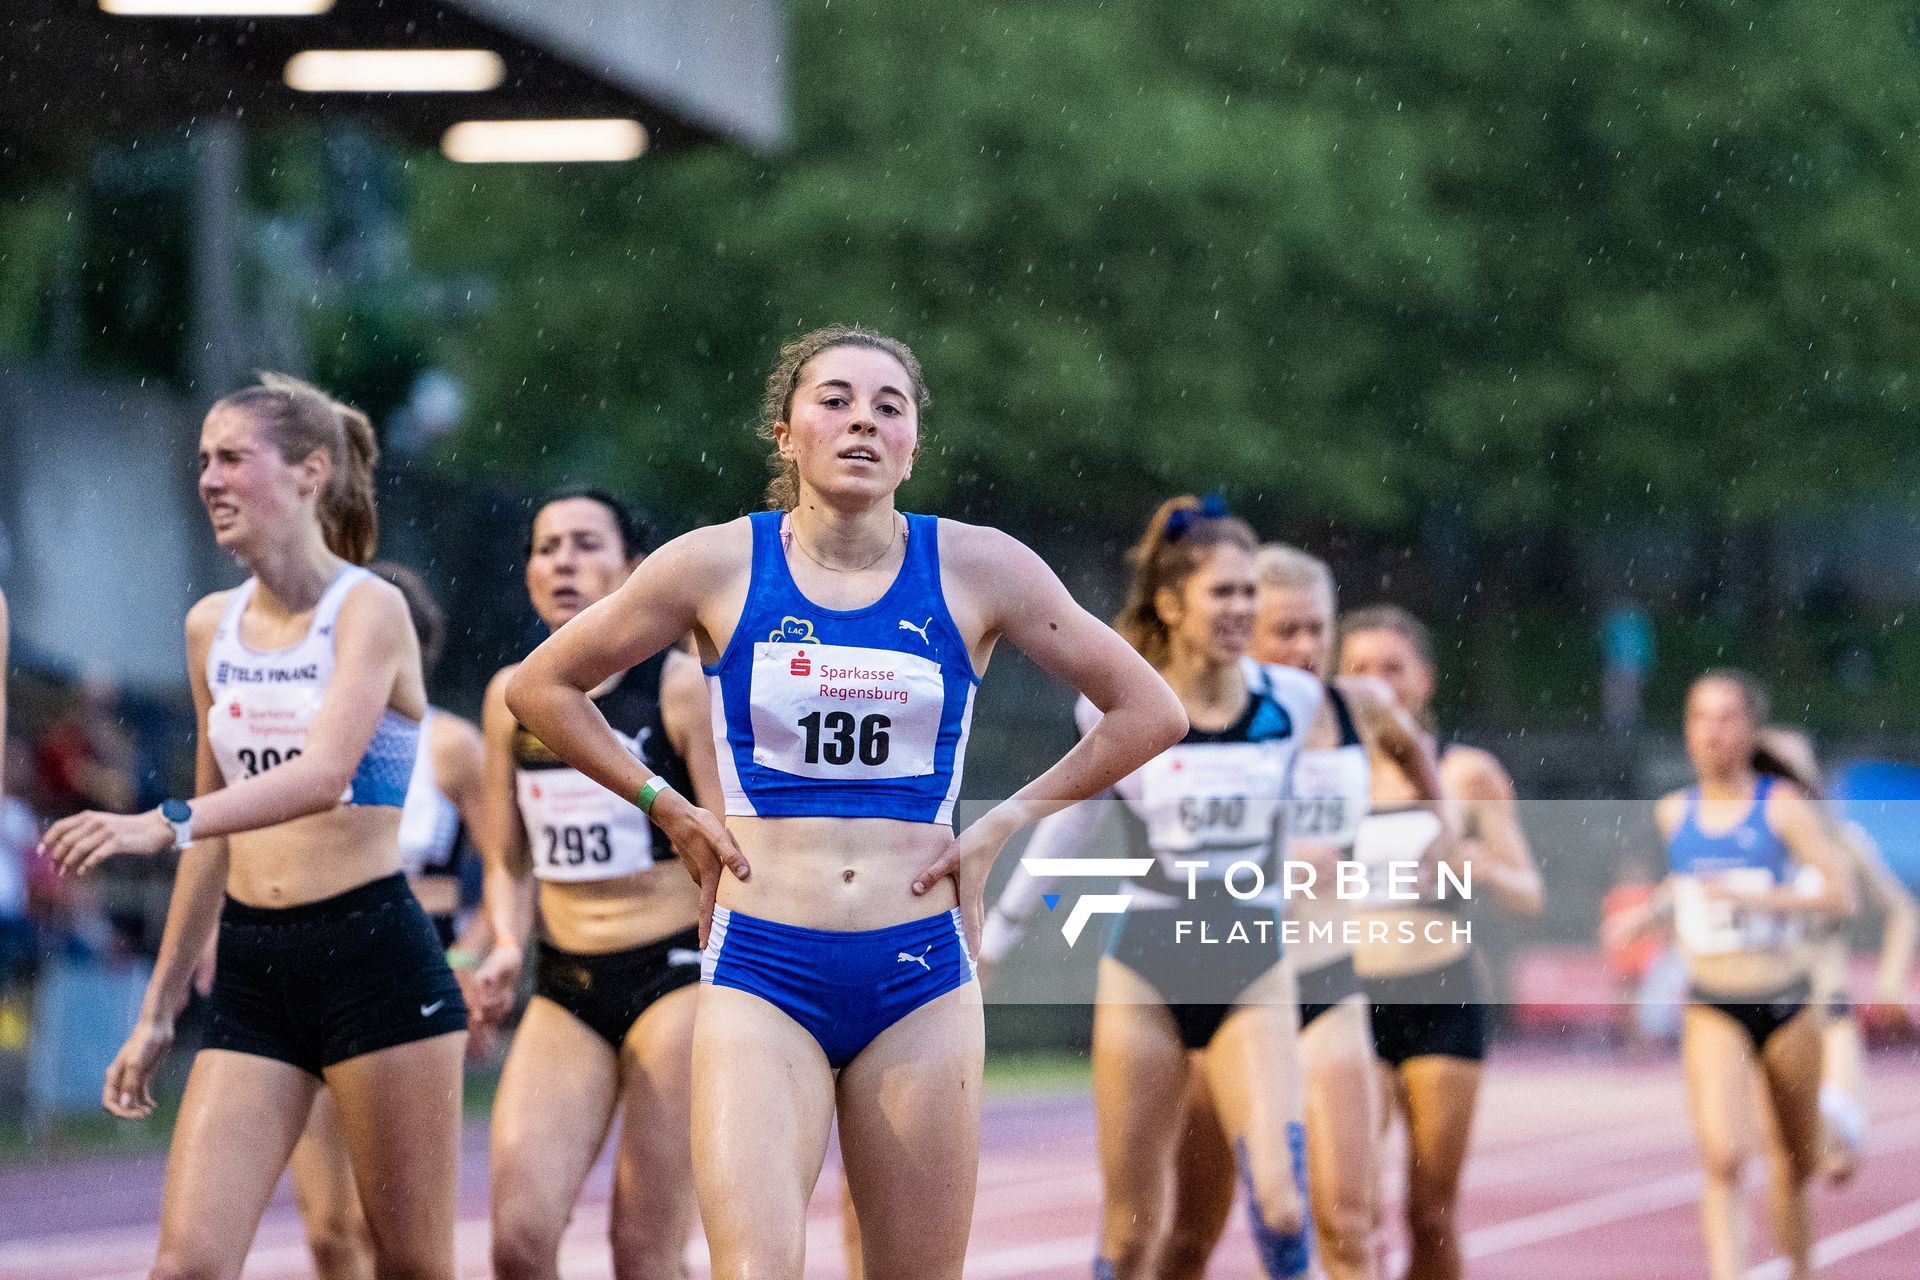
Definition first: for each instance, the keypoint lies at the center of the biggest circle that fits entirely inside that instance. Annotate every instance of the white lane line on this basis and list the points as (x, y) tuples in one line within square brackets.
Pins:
[(1614, 1206), (1039, 1186), (1669, 1193), (1549, 1157), (1870, 1234), (1528, 1161), (1062, 1186)]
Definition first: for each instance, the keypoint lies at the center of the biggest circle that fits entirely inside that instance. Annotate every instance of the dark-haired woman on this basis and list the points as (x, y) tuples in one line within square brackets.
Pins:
[(307, 685), (1193, 981), (843, 643), (1294, 621), (1752, 867), (1424, 982), (608, 1034), (442, 805)]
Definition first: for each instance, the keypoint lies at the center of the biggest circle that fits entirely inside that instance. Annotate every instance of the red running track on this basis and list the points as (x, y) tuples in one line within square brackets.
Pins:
[(1583, 1168)]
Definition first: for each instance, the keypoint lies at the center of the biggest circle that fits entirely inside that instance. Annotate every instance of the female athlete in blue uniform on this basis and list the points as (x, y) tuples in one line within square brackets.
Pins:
[(843, 642), (1741, 844), (607, 1037), (1172, 998), (1332, 791), (306, 681)]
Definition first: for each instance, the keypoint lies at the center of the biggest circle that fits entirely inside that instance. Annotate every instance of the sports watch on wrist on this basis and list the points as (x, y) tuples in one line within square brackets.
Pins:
[(179, 816)]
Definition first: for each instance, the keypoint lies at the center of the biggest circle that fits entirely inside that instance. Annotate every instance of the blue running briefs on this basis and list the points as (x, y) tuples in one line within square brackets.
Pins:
[(844, 988)]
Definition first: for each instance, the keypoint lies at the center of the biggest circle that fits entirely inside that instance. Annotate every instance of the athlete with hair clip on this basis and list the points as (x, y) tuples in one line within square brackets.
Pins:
[(1332, 784), (608, 1033), (1843, 1056), (442, 806), (1425, 985), (1753, 866), (307, 686), (1174, 1003), (843, 642)]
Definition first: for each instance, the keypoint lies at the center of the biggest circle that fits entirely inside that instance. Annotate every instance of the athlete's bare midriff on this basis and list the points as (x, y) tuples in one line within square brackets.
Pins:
[(838, 874), (594, 917), (1755, 973), (1432, 945), (315, 857)]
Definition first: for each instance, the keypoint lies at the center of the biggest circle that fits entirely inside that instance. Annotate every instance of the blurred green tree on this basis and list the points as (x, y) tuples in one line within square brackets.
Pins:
[(1511, 264)]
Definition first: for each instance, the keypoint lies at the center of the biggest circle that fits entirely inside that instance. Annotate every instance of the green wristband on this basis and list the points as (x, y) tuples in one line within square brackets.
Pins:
[(461, 958), (650, 793)]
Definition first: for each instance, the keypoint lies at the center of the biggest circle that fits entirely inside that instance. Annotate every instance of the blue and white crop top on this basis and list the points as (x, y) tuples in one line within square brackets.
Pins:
[(1748, 855), (264, 702), (857, 713), (1749, 844)]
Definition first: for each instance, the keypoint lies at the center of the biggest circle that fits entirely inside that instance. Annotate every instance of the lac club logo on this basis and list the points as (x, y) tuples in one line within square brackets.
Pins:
[(795, 630), (1093, 904)]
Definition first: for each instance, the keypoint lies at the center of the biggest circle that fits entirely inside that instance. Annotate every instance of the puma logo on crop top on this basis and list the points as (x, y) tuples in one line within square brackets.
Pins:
[(846, 713)]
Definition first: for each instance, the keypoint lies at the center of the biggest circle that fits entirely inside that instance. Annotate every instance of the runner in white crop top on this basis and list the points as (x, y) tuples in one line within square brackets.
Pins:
[(308, 691)]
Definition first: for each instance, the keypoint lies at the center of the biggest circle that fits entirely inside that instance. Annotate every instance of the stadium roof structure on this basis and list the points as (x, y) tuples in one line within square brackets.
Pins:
[(75, 72)]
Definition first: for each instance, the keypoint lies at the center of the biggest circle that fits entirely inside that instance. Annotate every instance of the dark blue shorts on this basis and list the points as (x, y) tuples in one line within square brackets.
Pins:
[(844, 988)]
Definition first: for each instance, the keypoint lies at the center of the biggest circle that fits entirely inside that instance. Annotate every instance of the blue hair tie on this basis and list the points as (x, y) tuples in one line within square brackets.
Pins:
[(1212, 507)]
